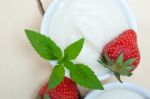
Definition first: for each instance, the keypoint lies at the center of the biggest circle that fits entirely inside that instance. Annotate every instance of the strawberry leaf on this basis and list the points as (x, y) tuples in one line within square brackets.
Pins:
[(46, 96), (108, 59), (84, 76), (120, 59), (126, 73), (73, 50), (44, 46), (101, 63), (130, 61), (56, 77), (130, 68), (102, 59), (129, 74), (38, 97)]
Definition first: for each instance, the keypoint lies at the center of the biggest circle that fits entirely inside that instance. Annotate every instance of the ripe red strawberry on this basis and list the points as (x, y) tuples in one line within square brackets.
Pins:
[(121, 55), (67, 89)]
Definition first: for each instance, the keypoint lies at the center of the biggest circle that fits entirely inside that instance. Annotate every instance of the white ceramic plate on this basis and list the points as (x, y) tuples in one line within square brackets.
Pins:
[(126, 85), (55, 5)]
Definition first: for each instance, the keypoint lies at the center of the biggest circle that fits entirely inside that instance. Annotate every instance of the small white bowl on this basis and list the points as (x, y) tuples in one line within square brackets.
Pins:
[(56, 4), (130, 86)]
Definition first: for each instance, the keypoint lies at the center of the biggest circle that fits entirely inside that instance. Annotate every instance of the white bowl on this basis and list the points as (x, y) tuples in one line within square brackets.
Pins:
[(55, 5), (130, 86)]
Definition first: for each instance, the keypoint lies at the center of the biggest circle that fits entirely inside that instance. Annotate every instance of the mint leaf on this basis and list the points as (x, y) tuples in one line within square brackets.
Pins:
[(73, 50), (46, 96), (48, 49), (84, 76), (44, 46), (56, 77), (68, 64)]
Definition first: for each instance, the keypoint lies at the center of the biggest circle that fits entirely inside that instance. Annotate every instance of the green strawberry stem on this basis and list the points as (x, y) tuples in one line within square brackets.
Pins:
[(118, 67), (117, 75)]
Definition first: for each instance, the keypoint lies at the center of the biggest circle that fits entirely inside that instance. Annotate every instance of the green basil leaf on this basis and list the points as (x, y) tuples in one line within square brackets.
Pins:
[(73, 50), (56, 77), (44, 46), (84, 76)]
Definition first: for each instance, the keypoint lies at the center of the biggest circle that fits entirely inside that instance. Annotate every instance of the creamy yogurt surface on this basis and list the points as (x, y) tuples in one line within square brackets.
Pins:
[(119, 94), (98, 21)]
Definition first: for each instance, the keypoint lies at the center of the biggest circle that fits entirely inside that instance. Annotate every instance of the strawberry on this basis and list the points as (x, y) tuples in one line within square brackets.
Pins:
[(67, 89), (121, 55)]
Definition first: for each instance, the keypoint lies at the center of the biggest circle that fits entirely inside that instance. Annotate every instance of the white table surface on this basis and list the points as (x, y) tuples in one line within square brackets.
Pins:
[(19, 63)]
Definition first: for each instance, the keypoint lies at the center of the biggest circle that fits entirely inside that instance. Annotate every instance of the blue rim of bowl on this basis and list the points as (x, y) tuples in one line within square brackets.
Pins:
[(55, 5), (126, 85)]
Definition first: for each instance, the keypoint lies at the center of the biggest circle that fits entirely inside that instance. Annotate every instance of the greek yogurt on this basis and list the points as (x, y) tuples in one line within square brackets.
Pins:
[(119, 93), (98, 21)]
